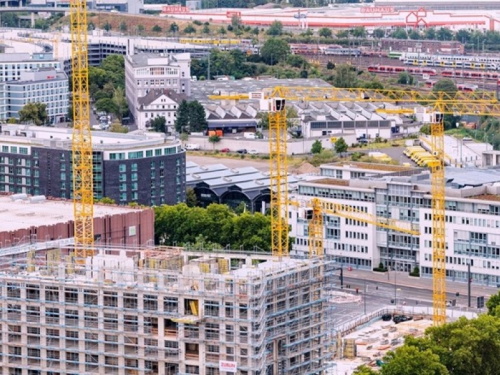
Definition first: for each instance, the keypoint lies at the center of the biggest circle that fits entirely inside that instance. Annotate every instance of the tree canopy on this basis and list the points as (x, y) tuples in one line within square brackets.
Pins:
[(34, 113), (191, 117), (217, 225), (463, 347), (274, 50)]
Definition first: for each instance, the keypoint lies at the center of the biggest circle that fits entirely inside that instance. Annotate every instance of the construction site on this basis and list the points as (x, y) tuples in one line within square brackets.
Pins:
[(165, 311)]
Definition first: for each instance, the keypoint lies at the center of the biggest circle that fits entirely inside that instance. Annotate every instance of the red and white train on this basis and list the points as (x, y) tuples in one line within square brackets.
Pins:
[(470, 74), (461, 86), (400, 69)]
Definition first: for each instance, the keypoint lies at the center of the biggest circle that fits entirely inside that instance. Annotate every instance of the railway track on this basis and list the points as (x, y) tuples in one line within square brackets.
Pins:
[(365, 61)]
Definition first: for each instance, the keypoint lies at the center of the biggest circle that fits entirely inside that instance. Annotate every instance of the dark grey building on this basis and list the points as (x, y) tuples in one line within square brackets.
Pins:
[(144, 168)]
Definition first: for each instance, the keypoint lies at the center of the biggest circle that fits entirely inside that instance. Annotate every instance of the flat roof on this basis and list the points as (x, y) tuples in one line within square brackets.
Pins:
[(15, 215), (369, 166), (201, 90), (331, 181), (61, 138)]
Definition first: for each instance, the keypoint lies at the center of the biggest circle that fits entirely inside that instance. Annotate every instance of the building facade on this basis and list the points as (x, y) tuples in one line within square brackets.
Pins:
[(146, 169), (146, 72), (472, 222), (165, 312), (44, 85), (159, 103)]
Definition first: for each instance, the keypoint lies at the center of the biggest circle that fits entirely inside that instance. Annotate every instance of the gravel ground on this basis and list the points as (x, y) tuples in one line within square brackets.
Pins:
[(261, 165)]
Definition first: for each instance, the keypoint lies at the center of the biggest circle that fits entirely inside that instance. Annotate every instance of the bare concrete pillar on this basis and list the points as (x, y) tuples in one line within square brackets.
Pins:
[(32, 20)]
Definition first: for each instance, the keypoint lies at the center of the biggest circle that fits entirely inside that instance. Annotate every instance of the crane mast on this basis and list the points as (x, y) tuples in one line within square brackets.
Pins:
[(278, 177), (438, 184), (83, 194)]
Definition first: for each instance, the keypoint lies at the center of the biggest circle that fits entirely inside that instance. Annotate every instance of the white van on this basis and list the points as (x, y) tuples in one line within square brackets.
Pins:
[(249, 135), (192, 146)]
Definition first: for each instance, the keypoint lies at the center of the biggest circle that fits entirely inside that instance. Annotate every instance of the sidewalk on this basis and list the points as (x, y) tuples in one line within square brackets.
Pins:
[(403, 279)]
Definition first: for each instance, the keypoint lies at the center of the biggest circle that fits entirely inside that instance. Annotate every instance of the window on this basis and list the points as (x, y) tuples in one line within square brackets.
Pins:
[(136, 155), (122, 168)]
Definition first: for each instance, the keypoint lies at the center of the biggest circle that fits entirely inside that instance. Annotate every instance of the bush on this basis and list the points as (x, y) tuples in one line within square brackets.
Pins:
[(380, 268), (197, 23), (242, 156), (415, 272)]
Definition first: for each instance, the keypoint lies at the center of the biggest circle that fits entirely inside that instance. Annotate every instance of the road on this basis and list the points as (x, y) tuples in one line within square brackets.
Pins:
[(383, 289)]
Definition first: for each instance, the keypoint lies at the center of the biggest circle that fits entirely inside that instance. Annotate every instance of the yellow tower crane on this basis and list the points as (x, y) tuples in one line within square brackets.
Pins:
[(83, 192), (457, 103)]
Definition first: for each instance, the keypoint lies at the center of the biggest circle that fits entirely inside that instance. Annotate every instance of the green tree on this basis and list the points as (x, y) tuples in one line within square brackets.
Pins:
[(140, 29), (330, 65), (364, 370), (359, 32), (106, 105), (325, 32), (190, 29), (343, 34), (182, 118), (255, 31), (430, 33), (276, 29), (297, 61), (493, 304), (156, 29), (191, 199), (399, 33), (317, 147), (34, 113), (206, 29), (159, 124), (236, 22), (222, 31), (463, 36), (379, 33), (345, 76), (340, 146), (107, 26), (120, 102), (184, 137), (410, 360), (213, 139), (173, 28), (445, 85), (123, 26), (274, 50), (405, 78), (197, 117), (414, 34), (10, 20), (116, 127), (444, 34)]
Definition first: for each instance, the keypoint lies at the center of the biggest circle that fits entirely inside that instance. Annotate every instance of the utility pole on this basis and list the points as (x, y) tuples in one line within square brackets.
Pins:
[(469, 281), (208, 72)]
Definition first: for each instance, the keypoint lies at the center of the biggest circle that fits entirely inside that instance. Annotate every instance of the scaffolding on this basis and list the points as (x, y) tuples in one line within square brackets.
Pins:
[(165, 311)]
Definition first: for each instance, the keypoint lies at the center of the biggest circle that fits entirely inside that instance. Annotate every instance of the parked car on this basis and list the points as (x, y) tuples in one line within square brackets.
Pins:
[(225, 150), (242, 151), (192, 146), (253, 152), (401, 318), (386, 317)]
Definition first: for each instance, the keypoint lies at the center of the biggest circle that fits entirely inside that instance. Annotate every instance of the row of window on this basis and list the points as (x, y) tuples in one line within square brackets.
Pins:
[(140, 154), (15, 149)]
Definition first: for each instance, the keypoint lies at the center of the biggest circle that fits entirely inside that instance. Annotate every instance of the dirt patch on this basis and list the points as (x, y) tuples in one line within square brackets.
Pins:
[(305, 168)]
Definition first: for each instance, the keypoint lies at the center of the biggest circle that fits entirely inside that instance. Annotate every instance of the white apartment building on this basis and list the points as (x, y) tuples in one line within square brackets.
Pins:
[(159, 103), (146, 72), (43, 85), (472, 221)]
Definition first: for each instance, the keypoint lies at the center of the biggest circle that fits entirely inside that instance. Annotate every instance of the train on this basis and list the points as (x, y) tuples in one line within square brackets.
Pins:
[(343, 51), (451, 61), (450, 73), (400, 69), (461, 86), (215, 41)]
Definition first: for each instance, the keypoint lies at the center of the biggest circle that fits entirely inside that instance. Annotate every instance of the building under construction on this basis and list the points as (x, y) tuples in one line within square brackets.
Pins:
[(164, 311)]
